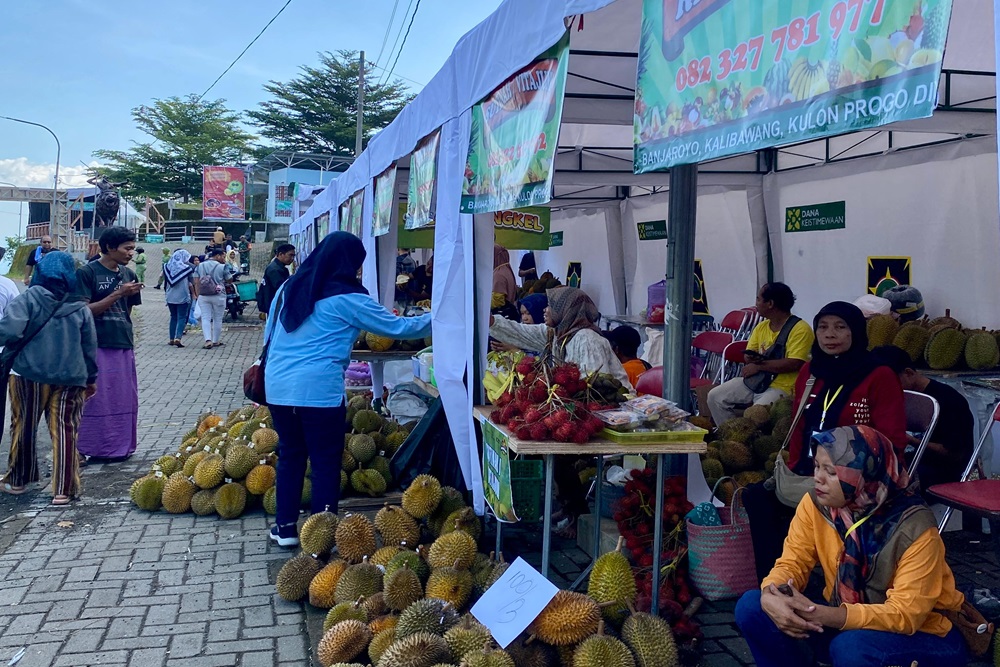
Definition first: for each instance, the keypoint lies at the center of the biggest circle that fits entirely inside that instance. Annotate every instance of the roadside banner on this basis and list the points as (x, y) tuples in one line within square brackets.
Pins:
[(322, 226), (223, 193), (422, 189), (523, 229), (385, 191)]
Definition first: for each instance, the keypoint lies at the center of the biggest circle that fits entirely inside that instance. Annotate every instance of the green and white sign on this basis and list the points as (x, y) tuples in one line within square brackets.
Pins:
[(385, 190), (652, 231), (412, 238), (496, 473), (555, 239), (515, 133), (422, 189), (350, 213), (523, 229), (723, 77), (816, 217)]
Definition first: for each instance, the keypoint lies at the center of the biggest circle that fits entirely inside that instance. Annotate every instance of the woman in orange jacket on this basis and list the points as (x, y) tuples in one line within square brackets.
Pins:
[(883, 563)]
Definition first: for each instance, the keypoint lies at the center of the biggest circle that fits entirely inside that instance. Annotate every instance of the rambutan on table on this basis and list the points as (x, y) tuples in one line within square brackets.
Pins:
[(549, 449)]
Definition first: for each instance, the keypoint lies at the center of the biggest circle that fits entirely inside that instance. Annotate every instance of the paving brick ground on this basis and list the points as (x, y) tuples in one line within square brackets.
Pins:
[(102, 583)]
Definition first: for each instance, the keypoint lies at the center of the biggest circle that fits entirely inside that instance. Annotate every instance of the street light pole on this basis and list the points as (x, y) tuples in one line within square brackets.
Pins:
[(55, 182)]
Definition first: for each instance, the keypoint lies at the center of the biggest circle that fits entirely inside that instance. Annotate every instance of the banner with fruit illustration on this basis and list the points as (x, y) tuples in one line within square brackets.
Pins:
[(723, 77), (322, 226), (515, 132), (496, 473), (421, 195), (385, 191), (223, 193)]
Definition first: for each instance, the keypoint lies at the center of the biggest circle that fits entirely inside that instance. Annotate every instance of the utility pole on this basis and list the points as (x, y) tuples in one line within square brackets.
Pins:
[(361, 106)]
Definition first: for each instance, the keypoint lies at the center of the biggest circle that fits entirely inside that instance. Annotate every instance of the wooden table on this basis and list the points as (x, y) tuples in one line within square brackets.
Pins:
[(377, 361), (427, 387), (599, 448)]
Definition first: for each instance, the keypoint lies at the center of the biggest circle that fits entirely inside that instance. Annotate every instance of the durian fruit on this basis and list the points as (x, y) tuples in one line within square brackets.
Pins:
[(451, 501), (465, 520), (369, 482), (498, 570), (602, 651), (381, 465), (394, 441), (395, 526), (208, 421), (374, 605), (380, 642), (488, 656), (947, 321), (192, 462), (944, 349), (748, 477), (265, 440), (323, 586), (240, 460), (410, 559), (469, 635), (307, 492), (402, 589), (782, 427), (318, 533), (355, 538), (981, 351), (427, 615), (367, 421), (451, 584), (203, 502), (481, 569), (739, 429), (230, 500), (612, 581), (758, 414), (271, 500), (735, 456), (456, 549), (261, 478), (235, 429), (362, 448), (147, 492), (651, 640), (912, 339), (296, 575), (528, 653), (882, 330), (383, 555), (383, 622), (343, 642), (177, 493), (344, 611), (378, 343), (567, 619), (360, 580), (210, 472), (765, 445), (422, 497), (168, 464), (420, 649)]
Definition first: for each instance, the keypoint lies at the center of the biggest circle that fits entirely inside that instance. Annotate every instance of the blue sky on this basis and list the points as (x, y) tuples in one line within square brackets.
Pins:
[(80, 66)]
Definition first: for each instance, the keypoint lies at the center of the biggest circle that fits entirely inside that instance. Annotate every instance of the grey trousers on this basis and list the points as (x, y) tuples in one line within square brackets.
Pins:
[(731, 398)]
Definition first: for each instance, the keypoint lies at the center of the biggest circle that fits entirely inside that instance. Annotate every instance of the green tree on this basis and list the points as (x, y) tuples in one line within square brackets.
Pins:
[(317, 111), (186, 134)]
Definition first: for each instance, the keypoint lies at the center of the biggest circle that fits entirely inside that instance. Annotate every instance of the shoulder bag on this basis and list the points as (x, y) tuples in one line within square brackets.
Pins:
[(759, 382), (253, 377), (790, 487)]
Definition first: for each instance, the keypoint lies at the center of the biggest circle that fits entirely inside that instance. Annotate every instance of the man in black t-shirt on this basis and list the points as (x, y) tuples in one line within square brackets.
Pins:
[(952, 441), (527, 269), (44, 247), (275, 276)]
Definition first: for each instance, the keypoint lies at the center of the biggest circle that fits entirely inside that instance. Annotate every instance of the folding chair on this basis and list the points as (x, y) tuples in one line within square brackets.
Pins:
[(979, 496), (734, 322), (922, 412), (713, 345), (732, 360), (753, 319), (650, 382)]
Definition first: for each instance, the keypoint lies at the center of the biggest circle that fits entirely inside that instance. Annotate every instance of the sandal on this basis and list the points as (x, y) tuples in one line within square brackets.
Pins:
[(12, 490), (60, 501), (218, 344), (208, 346)]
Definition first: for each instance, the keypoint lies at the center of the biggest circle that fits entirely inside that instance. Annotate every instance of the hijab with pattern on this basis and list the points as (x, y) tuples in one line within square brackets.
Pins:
[(56, 272), (178, 268), (572, 310), (876, 487), (329, 270)]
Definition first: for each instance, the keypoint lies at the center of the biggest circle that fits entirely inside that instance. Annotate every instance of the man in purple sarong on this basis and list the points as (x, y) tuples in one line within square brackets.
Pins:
[(110, 418)]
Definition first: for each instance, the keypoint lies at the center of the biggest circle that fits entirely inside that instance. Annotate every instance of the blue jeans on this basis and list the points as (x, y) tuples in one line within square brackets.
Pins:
[(317, 433), (178, 318), (850, 648)]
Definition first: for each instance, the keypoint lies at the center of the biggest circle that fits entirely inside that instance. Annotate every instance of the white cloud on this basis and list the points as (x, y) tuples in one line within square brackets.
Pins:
[(22, 173)]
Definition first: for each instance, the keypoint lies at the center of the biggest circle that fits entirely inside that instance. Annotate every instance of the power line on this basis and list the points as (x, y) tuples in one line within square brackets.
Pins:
[(273, 18), (399, 76), (403, 45), (388, 29), (399, 33)]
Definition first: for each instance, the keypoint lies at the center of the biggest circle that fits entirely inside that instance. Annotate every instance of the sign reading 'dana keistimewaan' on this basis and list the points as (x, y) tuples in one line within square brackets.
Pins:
[(655, 230), (816, 217), (723, 77)]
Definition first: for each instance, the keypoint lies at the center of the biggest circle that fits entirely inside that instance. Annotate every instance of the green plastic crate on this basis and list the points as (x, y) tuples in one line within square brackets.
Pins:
[(527, 483)]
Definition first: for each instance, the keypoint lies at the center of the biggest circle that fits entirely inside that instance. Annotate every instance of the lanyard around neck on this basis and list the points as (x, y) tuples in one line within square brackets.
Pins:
[(827, 404)]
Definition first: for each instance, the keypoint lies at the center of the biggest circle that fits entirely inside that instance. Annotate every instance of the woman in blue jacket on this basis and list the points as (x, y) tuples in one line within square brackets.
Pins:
[(313, 323)]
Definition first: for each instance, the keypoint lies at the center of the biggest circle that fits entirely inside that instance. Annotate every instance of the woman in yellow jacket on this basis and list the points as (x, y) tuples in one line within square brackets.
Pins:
[(883, 565)]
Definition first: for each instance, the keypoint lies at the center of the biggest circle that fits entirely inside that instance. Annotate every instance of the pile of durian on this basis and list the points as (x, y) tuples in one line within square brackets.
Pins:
[(369, 445), (405, 603), (941, 343), (746, 448)]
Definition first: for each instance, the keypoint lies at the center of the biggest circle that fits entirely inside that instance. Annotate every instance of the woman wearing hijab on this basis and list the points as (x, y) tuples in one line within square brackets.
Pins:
[(850, 390), (178, 276), (569, 335), (54, 372), (504, 281), (533, 309), (314, 320), (883, 561)]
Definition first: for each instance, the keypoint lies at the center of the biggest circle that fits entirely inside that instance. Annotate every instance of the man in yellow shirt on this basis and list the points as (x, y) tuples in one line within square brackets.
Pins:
[(774, 304)]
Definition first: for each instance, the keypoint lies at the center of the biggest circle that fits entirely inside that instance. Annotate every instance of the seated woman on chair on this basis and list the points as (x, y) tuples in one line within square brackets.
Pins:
[(883, 563)]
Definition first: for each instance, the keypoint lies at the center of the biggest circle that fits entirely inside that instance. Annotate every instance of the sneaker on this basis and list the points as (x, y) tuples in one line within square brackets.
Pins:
[(284, 536)]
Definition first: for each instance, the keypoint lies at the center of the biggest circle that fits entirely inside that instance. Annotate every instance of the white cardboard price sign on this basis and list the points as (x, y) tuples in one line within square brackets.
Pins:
[(513, 602)]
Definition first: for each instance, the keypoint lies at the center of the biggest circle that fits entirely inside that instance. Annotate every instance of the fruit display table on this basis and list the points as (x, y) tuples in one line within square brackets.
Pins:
[(600, 448), (377, 361)]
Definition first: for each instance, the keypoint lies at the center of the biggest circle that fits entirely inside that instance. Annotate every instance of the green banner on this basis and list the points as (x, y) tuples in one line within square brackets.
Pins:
[(816, 217), (652, 231), (523, 229), (496, 473), (422, 189), (385, 190), (724, 77), (412, 238), (354, 212), (322, 226), (555, 239), (515, 133)]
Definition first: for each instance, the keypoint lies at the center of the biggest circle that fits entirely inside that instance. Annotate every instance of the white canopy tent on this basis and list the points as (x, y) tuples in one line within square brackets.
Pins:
[(942, 174)]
